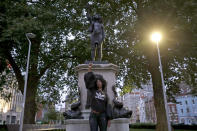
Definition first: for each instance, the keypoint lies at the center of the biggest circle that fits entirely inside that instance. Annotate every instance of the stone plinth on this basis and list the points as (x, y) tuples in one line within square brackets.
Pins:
[(86, 113), (77, 125), (121, 124), (108, 71)]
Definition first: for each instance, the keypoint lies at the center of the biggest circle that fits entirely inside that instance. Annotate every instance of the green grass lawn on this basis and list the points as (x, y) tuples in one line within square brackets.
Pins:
[(142, 130), (154, 130)]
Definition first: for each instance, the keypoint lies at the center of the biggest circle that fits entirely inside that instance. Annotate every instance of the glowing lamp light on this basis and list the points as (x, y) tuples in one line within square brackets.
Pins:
[(156, 37), (5, 109)]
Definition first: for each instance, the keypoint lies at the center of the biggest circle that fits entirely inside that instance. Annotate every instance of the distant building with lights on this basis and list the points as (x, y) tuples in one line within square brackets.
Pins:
[(10, 111)]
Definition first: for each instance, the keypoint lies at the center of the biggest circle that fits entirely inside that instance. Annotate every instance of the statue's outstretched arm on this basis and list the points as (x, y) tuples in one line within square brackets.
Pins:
[(89, 19), (88, 13)]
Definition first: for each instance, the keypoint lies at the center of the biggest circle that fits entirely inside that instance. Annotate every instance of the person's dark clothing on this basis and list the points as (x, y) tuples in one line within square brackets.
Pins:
[(96, 120), (97, 101)]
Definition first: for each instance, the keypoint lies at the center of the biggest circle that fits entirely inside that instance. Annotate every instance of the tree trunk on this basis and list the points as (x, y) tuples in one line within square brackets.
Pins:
[(159, 102), (162, 124), (30, 103)]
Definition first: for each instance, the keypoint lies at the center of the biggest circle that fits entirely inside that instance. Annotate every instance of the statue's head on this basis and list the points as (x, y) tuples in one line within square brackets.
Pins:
[(97, 17)]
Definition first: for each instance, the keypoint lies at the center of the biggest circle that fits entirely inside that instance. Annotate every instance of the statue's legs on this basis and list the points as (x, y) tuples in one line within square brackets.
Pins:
[(93, 51), (99, 49)]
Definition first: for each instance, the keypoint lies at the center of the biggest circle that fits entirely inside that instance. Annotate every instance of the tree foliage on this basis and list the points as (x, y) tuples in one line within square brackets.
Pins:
[(52, 114)]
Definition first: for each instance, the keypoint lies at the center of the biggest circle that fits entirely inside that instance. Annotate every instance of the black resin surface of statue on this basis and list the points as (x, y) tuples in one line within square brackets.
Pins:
[(97, 35), (74, 113)]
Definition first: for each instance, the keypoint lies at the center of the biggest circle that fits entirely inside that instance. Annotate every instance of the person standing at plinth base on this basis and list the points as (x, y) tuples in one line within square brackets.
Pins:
[(98, 101)]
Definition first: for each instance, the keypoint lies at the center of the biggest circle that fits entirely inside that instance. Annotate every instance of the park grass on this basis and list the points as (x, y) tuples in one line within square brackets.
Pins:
[(154, 130), (132, 129), (142, 129)]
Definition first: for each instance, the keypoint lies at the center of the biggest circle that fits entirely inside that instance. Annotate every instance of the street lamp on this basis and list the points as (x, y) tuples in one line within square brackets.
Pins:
[(156, 37), (28, 35)]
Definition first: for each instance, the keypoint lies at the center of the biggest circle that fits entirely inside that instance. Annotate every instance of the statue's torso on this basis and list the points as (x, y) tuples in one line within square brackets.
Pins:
[(97, 34), (97, 28)]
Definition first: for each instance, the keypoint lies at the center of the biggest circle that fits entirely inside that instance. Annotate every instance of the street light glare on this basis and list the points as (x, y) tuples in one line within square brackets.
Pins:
[(5, 110), (156, 37)]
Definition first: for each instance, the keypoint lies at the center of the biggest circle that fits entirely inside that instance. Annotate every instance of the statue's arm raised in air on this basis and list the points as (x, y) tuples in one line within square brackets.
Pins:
[(89, 19)]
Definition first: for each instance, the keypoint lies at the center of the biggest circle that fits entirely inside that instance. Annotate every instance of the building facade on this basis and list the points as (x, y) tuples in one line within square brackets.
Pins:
[(140, 101), (131, 102), (173, 115), (150, 110), (10, 108), (187, 109), (10, 111), (41, 113)]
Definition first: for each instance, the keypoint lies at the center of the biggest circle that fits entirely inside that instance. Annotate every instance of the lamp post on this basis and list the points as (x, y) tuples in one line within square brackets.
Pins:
[(156, 37), (28, 35)]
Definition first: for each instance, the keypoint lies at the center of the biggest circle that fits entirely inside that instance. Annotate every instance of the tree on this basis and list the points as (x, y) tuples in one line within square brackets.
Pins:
[(52, 115), (8, 86), (7, 79), (177, 48), (50, 49)]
